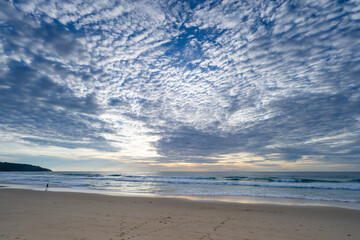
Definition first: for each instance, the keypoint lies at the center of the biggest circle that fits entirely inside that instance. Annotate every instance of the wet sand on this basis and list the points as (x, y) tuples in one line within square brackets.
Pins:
[(35, 215)]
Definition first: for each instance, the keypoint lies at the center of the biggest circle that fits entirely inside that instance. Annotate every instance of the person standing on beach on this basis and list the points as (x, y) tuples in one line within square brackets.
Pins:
[(47, 186)]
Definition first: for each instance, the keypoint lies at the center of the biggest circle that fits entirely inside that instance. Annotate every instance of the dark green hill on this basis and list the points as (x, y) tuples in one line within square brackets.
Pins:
[(5, 166)]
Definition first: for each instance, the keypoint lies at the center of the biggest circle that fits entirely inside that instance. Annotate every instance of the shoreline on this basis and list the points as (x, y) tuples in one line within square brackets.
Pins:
[(36, 215), (204, 198)]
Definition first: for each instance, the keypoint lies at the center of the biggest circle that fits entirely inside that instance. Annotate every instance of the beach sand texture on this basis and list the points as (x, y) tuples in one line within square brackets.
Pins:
[(34, 215)]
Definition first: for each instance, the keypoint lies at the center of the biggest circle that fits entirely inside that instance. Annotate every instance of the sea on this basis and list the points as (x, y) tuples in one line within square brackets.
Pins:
[(337, 189)]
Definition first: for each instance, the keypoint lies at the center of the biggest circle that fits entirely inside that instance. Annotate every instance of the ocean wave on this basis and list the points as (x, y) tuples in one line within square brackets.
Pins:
[(170, 177), (290, 180), (304, 180), (234, 178), (247, 184), (278, 183), (82, 174)]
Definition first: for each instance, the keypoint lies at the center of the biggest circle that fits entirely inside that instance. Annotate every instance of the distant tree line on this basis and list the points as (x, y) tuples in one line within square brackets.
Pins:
[(7, 167)]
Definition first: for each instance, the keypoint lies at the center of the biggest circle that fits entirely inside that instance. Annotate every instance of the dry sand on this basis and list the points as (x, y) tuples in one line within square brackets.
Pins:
[(34, 215)]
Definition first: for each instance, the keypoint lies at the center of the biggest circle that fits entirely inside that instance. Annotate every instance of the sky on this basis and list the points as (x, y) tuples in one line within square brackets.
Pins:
[(176, 85)]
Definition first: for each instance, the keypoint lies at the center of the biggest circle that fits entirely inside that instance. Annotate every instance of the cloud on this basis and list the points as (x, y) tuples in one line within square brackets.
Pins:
[(35, 98), (34, 105), (189, 82)]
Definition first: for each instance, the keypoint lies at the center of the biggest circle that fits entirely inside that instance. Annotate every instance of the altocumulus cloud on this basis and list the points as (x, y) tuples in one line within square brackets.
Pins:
[(185, 81)]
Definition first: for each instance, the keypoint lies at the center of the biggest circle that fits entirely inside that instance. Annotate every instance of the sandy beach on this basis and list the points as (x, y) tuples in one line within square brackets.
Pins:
[(35, 215)]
